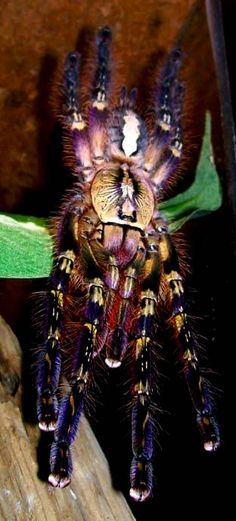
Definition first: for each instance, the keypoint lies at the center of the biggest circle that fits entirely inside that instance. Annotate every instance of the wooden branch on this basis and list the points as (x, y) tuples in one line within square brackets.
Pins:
[(10, 358), (23, 496)]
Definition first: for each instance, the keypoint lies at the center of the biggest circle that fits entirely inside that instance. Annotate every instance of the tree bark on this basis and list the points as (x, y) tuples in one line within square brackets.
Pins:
[(23, 496)]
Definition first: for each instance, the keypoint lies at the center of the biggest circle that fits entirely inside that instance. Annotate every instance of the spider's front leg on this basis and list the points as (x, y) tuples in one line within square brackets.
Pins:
[(142, 429), (197, 387), (72, 403)]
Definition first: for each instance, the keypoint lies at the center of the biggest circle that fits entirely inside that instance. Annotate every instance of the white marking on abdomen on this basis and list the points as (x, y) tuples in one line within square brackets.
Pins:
[(131, 133)]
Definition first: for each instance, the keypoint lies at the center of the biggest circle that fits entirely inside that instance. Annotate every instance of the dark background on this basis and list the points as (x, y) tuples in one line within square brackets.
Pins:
[(34, 39)]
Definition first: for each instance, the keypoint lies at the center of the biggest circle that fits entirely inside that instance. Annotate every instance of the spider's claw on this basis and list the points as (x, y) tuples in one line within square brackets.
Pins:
[(47, 412), (47, 426), (141, 479), (61, 465), (211, 446), (116, 348), (213, 442), (209, 430), (139, 494), (60, 481), (113, 364)]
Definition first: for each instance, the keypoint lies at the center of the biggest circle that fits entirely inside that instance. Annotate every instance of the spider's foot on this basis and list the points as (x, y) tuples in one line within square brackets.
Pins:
[(47, 425), (59, 480), (209, 430), (47, 412), (139, 494), (61, 465), (211, 446), (113, 364), (141, 479), (115, 351)]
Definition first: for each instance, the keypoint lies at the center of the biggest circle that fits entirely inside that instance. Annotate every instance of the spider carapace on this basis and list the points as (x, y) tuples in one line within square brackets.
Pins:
[(115, 261)]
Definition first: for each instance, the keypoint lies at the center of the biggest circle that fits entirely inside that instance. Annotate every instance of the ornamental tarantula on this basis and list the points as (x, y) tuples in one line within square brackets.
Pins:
[(116, 264)]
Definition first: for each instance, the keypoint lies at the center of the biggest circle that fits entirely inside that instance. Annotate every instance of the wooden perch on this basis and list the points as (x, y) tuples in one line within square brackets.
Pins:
[(90, 497)]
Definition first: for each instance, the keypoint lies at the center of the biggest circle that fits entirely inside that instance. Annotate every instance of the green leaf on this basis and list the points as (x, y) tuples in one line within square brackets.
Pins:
[(26, 247), (203, 196)]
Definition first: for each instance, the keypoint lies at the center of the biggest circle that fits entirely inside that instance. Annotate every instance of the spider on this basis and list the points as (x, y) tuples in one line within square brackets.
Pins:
[(116, 264)]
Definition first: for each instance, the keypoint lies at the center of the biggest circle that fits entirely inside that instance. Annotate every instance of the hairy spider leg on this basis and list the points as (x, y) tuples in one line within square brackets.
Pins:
[(74, 121), (72, 403), (99, 113), (50, 356), (199, 393), (167, 132), (118, 342), (142, 425)]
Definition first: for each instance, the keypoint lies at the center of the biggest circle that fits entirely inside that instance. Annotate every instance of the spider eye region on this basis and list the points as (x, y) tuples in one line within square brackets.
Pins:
[(121, 197)]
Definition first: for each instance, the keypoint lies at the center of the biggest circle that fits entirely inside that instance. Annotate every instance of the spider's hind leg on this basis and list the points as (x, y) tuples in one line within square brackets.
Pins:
[(199, 393)]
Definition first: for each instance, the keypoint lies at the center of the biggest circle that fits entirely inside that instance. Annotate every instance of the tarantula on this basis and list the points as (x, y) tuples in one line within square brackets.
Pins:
[(116, 263)]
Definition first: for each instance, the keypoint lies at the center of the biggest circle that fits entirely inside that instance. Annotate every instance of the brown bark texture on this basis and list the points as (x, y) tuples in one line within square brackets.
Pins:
[(23, 496)]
